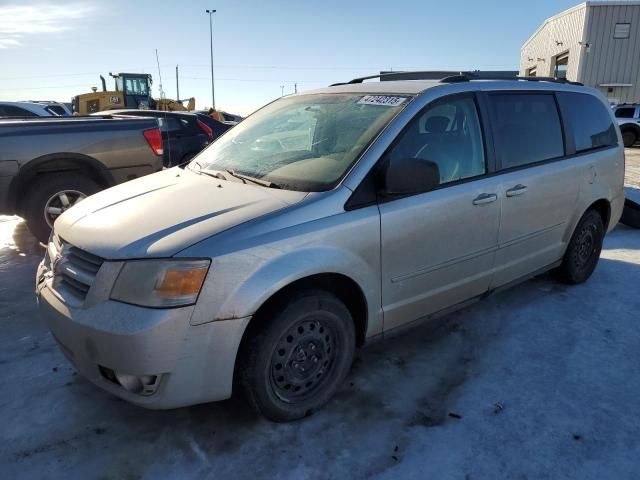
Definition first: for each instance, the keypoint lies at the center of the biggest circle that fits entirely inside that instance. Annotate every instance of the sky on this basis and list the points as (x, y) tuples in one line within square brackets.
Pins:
[(52, 50)]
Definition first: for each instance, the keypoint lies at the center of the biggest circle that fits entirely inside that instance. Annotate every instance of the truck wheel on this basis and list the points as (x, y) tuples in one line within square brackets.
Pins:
[(629, 138), (631, 214), (50, 195), (296, 359), (584, 249)]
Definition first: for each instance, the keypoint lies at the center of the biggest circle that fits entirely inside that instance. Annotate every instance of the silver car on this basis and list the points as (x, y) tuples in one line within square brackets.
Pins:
[(265, 268)]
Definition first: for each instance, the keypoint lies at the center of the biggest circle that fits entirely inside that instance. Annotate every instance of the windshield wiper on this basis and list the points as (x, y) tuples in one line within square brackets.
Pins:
[(218, 175), (245, 178)]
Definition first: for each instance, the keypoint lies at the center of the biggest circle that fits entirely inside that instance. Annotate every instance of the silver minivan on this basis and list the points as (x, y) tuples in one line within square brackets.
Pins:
[(323, 220)]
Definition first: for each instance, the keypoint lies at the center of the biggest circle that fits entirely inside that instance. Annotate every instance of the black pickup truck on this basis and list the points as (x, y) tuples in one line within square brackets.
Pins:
[(48, 165)]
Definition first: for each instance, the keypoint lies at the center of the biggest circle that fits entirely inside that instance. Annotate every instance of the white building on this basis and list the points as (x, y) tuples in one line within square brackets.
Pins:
[(595, 43)]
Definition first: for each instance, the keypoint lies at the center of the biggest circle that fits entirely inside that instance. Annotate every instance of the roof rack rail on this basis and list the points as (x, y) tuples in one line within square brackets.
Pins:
[(468, 78), (462, 77), (380, 75)]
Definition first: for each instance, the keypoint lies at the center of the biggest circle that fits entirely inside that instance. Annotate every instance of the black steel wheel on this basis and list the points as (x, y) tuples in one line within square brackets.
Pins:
[(583, 251), (297, 355), (303, 360)]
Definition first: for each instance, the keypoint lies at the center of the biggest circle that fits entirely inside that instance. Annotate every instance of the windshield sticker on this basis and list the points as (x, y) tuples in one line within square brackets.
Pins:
[(383, 100)]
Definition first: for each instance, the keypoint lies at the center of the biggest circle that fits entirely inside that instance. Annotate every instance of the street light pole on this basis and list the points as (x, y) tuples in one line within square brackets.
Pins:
[(213, 95)]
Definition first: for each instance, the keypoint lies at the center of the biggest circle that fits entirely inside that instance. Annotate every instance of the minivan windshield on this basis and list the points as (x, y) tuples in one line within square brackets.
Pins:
[(303, 142)]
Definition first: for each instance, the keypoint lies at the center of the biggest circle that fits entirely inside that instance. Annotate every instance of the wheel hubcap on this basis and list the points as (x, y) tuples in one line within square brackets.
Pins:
[(303, 359), (59, 203), (586, 246)]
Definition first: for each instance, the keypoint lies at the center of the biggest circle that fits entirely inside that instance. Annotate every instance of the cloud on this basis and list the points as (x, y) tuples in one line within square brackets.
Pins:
[(19, 21), (9, 42)]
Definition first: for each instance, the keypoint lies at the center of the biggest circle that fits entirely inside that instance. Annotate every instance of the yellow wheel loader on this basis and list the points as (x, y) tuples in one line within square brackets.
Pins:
[(133, 90)]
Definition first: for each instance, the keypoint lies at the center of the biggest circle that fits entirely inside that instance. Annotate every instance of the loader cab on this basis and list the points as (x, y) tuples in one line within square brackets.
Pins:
[(135, 88)]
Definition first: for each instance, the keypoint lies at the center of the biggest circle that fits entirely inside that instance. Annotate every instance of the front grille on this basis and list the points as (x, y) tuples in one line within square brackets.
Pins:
[(74, 270)]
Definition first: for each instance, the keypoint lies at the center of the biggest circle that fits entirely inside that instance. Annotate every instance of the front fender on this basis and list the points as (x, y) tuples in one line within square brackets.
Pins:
[(242, 282)]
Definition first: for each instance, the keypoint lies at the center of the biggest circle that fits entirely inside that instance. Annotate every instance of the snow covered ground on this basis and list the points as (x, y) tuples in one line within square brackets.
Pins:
[(540, 382)]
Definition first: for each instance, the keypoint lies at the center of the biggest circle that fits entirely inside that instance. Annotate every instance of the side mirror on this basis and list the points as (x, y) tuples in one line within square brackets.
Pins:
[(410, 176)]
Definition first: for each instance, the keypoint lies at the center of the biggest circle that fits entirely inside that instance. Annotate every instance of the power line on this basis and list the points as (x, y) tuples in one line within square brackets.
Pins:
[(273, 67), (253, 80)]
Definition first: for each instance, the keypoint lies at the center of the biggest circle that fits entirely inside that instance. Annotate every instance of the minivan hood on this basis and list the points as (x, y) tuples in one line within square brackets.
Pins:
[(163, 213)]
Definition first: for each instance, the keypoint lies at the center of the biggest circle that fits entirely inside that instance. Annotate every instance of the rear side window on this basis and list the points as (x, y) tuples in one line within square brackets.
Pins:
[(56, 110), (526, 128), (589, 121), (625, 112)]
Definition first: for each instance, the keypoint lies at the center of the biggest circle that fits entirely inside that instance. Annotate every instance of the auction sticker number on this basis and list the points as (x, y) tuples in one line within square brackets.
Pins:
[(383, 100)]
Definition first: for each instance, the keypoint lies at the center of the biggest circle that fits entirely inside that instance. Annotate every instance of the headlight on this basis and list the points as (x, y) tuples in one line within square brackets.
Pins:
[(160, 283)]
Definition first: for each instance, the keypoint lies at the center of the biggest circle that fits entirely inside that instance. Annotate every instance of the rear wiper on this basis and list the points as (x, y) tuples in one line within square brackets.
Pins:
[(245, 178)]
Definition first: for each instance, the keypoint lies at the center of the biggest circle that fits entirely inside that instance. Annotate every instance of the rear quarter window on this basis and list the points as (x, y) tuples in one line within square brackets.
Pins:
[(588, 119), (527, 128)]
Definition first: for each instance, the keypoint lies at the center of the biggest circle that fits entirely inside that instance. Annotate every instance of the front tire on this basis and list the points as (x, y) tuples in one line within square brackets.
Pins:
[(49, 196), (584, 249), (294, 362)]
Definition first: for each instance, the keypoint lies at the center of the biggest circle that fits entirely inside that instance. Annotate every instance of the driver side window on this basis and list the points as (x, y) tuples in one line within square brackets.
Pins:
[(448, 134)]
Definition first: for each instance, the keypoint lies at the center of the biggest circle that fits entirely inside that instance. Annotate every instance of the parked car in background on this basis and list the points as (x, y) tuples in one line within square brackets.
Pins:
[(184, 134), (229, 118), (218, 127), (29, 109), (59, 108), (47, 165), (628, 116), (266, 268)]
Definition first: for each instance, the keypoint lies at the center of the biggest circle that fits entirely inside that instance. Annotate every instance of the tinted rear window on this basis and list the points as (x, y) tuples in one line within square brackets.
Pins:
[(527, 128), (588, 119)]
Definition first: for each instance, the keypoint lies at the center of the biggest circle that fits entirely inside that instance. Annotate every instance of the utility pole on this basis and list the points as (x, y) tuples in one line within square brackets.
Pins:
[(282, 90), (177, 85), (213, 95), (159, 75)]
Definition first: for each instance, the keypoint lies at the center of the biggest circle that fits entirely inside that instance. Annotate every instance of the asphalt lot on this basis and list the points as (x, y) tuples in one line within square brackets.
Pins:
[(538, 382)]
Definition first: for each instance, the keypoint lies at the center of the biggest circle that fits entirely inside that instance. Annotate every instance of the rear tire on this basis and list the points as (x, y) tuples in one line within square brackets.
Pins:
[(584, 249), (629, 138), (51, 193), (296, 359)]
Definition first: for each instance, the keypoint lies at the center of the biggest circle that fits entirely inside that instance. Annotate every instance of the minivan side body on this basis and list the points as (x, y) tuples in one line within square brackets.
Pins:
[(392, 260)]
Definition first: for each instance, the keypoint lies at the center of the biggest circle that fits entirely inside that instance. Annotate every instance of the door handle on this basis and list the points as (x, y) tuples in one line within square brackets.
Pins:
[(485, 198), (517, 190)]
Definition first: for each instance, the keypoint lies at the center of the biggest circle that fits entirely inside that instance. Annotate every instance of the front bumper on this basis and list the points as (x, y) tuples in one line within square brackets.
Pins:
[(192, 364)]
